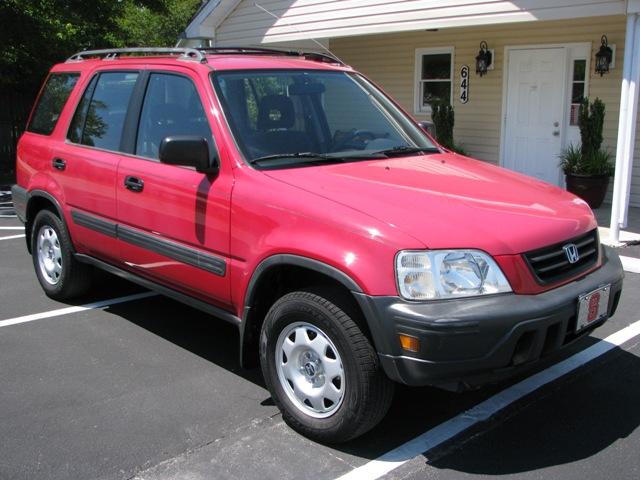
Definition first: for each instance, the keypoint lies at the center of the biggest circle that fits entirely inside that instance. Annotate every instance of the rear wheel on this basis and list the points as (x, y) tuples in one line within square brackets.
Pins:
[(321, 370), (61, 276)]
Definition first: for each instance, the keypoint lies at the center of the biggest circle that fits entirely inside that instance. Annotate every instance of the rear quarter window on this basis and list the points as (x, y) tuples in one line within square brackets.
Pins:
[(51, 102)]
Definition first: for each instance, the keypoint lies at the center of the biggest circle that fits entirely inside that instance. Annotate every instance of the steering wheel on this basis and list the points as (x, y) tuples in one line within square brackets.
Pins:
[(355, 139)]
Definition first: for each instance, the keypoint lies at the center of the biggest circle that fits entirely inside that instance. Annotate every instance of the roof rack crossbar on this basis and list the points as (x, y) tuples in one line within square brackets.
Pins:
[(322, 57), (111, 53)]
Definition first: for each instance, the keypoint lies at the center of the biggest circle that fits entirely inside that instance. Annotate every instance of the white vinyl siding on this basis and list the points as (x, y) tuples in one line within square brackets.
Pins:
[(302, 19), (389, 60)]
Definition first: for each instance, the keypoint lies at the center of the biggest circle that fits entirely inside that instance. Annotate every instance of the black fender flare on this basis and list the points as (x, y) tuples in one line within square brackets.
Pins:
[(29, 221), (292, 260)]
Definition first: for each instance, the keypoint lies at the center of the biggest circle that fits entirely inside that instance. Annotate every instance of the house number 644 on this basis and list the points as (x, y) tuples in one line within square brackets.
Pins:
[(464, 84)]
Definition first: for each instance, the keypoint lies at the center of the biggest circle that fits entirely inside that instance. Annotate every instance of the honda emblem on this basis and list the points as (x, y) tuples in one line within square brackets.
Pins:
[(571, 251)]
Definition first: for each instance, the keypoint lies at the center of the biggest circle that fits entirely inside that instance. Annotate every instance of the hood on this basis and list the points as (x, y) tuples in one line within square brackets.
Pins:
[(451, 201)]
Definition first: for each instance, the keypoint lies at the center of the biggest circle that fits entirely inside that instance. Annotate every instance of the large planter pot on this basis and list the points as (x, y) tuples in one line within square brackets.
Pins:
[(592, 189)]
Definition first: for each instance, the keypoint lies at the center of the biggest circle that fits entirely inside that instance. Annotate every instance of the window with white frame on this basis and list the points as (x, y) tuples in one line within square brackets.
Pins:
[(433, 77), (578, 88)]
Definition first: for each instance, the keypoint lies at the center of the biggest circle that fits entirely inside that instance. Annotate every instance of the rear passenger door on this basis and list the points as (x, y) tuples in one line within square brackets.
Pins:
[(87, 162), (173, 221)]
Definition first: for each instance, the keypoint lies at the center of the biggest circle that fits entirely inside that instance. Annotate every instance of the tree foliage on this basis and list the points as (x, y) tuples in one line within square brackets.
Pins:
[(143, 25), (36, 34), (591, 121)]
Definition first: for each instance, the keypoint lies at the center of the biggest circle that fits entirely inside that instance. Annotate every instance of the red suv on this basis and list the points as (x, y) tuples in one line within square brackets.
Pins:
[(287, 194)]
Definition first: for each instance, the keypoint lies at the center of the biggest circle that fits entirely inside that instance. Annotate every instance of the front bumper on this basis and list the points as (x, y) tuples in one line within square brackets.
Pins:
[(469, 342)]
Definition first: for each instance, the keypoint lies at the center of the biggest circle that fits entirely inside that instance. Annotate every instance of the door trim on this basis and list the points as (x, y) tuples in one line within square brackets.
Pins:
[(167, 248), (505, 86)]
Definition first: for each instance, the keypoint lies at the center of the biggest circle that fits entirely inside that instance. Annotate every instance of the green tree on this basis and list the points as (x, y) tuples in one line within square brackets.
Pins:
[(144, 25), (36, 34)]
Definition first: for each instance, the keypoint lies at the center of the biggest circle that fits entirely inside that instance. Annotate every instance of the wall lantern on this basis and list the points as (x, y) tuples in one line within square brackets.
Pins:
[(483, 60), (604, 57)]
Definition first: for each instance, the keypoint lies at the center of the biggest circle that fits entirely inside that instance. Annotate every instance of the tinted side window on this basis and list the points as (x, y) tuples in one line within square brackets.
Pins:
[(51, 102), (78, 121), (171, 107), (106, 112)]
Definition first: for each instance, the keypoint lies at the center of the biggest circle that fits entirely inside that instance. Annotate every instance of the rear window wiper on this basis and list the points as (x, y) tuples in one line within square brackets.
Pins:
[(304, 155), (405, 150)]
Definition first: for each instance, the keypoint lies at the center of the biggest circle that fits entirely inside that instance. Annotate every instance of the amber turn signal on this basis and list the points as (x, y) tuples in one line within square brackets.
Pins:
[(409, 343)]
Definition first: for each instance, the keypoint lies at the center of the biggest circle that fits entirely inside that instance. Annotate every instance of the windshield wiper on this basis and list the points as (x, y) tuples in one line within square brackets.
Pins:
[(306, 155), (405, 150)]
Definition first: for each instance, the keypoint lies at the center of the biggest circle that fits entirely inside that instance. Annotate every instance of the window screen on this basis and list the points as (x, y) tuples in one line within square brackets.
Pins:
[(50, 104)]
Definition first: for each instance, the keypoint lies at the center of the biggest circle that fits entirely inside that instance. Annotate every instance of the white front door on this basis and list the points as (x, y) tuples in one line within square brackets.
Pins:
[(535, 112)]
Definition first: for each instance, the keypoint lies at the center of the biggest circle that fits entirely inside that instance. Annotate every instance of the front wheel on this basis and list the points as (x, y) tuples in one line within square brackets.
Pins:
[(321, 370)]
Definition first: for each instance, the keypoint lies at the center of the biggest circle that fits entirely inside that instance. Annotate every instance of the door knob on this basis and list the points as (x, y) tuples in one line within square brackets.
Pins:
[(59, 164), (134, 184), (556, 133)]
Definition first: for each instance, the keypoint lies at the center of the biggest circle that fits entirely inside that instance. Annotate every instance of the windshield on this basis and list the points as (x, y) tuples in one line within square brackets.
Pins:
[(287, 118)]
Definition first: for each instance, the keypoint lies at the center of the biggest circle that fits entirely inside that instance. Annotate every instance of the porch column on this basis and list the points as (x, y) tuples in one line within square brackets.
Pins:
[(626, 128)]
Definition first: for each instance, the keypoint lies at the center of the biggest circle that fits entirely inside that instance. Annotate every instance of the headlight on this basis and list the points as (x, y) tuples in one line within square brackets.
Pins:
[(438, 274)]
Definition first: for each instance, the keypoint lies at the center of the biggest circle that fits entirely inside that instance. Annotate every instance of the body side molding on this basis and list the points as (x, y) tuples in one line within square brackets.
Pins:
[(94, 223), (181, 253), (167, 248)]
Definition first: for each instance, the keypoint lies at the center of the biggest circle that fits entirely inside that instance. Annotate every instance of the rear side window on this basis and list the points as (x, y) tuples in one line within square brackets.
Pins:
[(51, 102), (100, 116)]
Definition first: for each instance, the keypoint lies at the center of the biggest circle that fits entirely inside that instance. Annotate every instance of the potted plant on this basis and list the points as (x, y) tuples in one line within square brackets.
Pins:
[(587, 168)]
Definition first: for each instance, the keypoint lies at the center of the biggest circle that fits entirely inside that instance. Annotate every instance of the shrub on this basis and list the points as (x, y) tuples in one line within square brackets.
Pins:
[(590, 158), (590, 120), (443, 119)]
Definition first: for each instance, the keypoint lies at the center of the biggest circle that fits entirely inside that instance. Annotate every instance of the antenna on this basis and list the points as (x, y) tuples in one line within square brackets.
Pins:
[(299, 31)]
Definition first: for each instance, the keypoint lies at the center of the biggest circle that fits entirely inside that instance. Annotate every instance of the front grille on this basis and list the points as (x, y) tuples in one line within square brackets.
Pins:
[(550, 264)]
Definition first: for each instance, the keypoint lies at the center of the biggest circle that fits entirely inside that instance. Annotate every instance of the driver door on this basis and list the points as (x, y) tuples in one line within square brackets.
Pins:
[(174, 221)]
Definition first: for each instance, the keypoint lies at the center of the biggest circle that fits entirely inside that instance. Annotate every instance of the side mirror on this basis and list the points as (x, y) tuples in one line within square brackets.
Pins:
[(190, 151), (428, 127)]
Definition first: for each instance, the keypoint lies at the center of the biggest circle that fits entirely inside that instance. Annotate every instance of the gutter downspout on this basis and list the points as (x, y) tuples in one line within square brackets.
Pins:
[(626, 129)]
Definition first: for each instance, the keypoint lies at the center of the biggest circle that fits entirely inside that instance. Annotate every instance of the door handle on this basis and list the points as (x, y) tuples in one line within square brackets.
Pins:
[(134, 184), (59, 164), (556, 133)]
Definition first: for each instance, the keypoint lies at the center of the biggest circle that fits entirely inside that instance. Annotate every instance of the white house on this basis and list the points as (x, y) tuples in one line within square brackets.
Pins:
[(520, 114)]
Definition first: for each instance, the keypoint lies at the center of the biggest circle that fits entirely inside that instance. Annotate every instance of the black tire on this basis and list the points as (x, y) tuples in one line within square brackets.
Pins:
[(73, 278), (368, 391)]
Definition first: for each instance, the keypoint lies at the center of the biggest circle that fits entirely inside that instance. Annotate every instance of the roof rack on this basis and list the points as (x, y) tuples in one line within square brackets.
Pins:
[(112, 53), (316, 56)]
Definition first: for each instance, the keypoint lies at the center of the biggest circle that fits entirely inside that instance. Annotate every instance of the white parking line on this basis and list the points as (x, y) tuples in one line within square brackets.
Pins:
[(485, 410), (630, 264), (11, 228), (80, 308), (12, 237)]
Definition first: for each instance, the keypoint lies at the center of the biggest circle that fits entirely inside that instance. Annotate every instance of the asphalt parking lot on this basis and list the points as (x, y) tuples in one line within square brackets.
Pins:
[(151, 389)]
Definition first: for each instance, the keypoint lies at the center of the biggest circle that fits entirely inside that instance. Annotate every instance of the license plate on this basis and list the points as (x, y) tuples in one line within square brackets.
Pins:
[(592, 306)]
